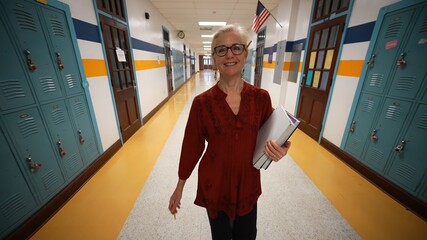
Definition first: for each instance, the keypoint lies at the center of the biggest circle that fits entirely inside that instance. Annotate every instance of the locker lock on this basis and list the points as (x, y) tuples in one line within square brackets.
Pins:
[(30, 63), (59, 61), (353, 126), (374, 136), (371, 61), (81, 138), (33, 166), (61, 150), (401, 62), (399, 148)]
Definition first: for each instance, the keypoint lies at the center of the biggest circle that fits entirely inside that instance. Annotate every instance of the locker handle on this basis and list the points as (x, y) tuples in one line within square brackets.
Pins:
[(33, 166), (374, 136), (353, 126), (401, 62), (30, 63), (399, 148), (81, 138), (59, 61), (371, 61), (61, 150)]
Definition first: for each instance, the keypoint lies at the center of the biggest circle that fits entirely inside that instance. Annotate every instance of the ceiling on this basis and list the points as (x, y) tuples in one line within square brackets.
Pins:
[(185, 14)]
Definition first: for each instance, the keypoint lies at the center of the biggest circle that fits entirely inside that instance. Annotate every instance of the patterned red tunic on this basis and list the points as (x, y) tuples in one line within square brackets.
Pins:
[(227, 181)]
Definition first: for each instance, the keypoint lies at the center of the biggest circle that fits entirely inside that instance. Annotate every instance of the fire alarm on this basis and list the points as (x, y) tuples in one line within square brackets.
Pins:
[(181, 34), (147, 15)]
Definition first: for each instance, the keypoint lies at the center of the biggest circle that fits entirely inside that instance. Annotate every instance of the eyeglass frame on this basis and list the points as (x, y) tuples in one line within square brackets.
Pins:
[(230, 48)]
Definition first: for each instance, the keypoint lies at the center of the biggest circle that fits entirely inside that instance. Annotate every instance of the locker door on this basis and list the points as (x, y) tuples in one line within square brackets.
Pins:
[(366, 110), (423, 194), (16, 200), (14, 89), (412, 63), (410, 164), (386, 49), (64, 137), (63, 52), (384, 134), (84, 128), (35, 150), (33, 49)]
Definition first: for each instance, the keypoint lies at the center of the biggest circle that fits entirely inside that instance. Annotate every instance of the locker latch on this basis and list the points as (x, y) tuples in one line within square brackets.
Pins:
[(59, 61), (353, 126), (371, 61), (33, 166), (81, 138), (60, 148), (401, 62), (30, 63), (374, 136), (399, 148)]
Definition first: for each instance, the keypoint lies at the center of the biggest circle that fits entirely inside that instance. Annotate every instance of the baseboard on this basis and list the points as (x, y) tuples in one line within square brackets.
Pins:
[(38, 219), (400, 195)]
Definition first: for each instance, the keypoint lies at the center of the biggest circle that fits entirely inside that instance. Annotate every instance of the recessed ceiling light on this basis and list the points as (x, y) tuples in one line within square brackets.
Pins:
[(212, 23)]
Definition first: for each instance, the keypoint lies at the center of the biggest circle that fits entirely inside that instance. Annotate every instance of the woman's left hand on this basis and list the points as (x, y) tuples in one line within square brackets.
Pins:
[(276, 152)]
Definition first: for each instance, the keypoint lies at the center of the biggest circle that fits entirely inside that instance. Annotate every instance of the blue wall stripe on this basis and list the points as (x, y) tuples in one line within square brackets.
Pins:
[(290, 44), (86, 31), (360, 33), (145, 46)]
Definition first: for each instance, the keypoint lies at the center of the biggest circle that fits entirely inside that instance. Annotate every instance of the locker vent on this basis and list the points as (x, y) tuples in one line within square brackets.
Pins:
[(393, 29), (28, 127), (376, 156), (423, 27), (25, 20), (49, 179), (47, 83), (422, 124), (406, 83), (12, 205), (57, 116), (406, 172), (91, 150), (57, 28), (12, 88), (393, 112), (368, 105), (73, 163), (71, 80), (376, 80), (79, 109)]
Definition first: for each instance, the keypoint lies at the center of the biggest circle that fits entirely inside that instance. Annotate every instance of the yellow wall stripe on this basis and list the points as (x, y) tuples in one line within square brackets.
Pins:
[(269, 65), (148, 64), (351, 68), (94, 67)]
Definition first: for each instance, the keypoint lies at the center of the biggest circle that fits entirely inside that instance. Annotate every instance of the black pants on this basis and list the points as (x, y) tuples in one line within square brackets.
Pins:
[(242, 228)]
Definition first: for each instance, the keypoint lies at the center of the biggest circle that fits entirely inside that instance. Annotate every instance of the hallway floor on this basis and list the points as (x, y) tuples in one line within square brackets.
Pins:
[(100, 208)]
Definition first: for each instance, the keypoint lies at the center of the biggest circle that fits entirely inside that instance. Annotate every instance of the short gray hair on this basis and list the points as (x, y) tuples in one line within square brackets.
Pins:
[(230, 28)]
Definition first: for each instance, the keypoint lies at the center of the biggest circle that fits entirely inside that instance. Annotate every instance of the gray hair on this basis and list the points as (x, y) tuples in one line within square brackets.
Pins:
[(230, 28)]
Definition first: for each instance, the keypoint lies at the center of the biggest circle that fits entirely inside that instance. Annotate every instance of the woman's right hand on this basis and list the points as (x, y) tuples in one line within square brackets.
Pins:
[(175, 199)]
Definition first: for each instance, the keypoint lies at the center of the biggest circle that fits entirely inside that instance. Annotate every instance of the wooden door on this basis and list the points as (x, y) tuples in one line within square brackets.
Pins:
[(323, 47), (116, 44)]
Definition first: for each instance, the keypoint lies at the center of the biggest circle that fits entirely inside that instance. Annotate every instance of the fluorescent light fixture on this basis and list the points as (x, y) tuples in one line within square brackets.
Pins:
[(205, 46), (212, 23), (206, 42), (207, 36)]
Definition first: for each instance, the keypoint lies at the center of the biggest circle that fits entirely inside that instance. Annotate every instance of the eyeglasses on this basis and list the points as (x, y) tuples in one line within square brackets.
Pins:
[(236, 49)]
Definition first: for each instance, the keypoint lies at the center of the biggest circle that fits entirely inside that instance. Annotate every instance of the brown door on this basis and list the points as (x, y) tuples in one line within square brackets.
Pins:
[(116, 44), (259, 59), (322, 50), (169, 70)]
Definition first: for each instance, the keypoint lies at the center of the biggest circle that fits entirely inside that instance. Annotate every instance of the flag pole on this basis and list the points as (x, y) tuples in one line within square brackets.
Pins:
[(274, 18)]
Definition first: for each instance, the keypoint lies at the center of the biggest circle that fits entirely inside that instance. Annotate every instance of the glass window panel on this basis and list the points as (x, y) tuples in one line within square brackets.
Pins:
[(324, 39), (320, 59), (324, 81), (328, 59), (116, 80), (333, 36), (326, 8), (344, 3), (315, 40), (335, 4), (309, 79), (319, 8), (316, 79), (312, 59)]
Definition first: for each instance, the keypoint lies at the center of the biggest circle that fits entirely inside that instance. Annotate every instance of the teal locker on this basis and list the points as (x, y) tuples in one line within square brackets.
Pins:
[(14, 89), (84, 129), (385, 132), (63, 135), (412, 62), (386, 48), (423, 193), (35, 151), (63, 50), (360, 128), (16, 199), (33, 48), (409, 165)]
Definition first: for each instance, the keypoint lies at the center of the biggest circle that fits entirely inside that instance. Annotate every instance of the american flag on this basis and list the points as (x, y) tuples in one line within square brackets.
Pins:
[(261, 16)]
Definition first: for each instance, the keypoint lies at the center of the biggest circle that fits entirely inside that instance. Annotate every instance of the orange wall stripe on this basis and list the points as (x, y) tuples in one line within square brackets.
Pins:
[(351, 68), (94, 67), (148, 64)]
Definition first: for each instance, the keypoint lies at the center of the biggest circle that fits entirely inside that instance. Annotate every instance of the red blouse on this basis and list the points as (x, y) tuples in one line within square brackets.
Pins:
[(227, 181)]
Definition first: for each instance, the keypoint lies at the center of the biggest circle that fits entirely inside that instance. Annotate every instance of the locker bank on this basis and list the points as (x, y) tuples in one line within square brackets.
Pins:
[(86, 87)]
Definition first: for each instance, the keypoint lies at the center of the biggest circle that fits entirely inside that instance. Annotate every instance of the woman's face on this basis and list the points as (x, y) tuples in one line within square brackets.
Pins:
[(230, 65)]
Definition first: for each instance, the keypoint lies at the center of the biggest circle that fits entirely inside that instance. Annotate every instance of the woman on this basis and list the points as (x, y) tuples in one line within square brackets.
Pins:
[(228, 117)]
